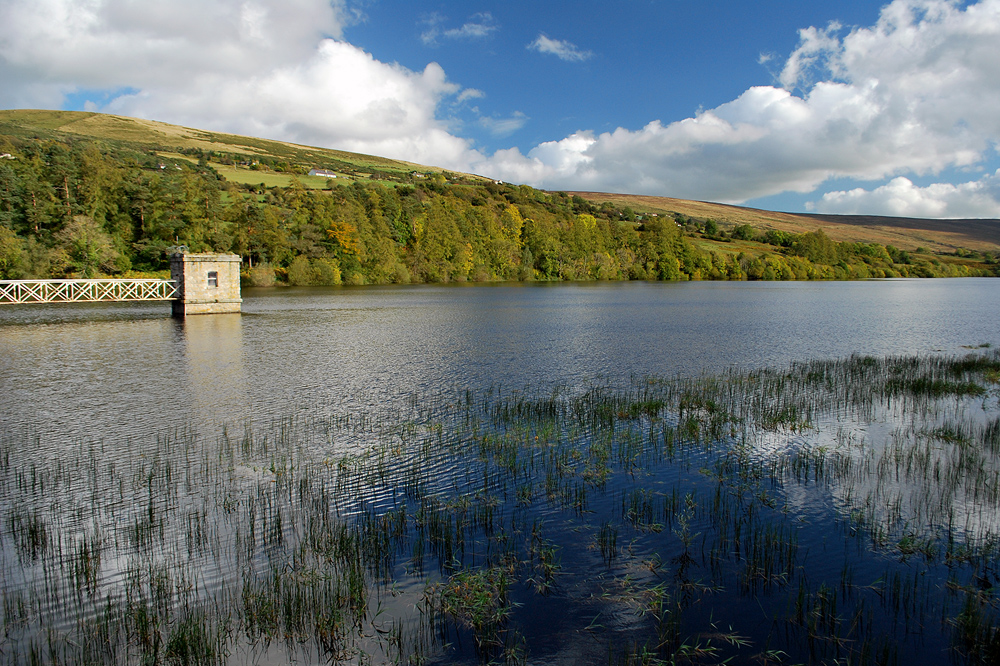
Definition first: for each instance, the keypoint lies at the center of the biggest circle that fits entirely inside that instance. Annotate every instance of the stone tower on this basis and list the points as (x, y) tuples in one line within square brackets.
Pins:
[(207, 283)]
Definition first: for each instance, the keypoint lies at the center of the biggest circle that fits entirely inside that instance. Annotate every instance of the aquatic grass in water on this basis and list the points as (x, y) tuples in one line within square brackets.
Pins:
[(828, 512)]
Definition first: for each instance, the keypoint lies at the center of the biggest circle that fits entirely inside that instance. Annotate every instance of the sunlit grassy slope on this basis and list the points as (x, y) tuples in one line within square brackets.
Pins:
[(162, 137), (166, 140)]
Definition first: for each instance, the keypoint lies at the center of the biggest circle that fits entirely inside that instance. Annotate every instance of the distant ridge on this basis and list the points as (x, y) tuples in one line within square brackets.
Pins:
[(978, 234), (903, 232)]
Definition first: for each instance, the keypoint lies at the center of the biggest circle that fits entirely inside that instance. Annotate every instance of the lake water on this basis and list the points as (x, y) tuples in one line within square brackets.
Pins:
[(104, 371), (153, 468)]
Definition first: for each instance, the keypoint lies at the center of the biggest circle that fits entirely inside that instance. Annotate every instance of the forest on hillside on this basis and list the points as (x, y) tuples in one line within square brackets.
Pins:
[(78, 207)]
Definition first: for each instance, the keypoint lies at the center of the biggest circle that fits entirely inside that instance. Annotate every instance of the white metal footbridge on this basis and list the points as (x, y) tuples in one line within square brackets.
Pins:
[(198, 284), (84, 291)]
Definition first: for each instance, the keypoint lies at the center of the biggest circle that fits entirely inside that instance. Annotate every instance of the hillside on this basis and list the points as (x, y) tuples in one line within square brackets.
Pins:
[(85, 194), (166, 139), (904, 233), (287, 159)]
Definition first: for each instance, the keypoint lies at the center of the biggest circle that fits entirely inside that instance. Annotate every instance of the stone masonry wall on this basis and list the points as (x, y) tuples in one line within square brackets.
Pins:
[(198, 296)]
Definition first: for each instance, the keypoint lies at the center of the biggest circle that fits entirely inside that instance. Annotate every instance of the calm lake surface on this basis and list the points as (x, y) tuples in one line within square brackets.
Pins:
[(324, 476), (108, 371)]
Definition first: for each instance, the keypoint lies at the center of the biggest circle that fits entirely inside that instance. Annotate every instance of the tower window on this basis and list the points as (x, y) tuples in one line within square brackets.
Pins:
[(213, 279)]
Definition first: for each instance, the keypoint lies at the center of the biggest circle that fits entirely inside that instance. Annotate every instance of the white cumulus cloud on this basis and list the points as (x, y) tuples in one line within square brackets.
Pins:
[(68, 44), (914, 94), (901, 198)]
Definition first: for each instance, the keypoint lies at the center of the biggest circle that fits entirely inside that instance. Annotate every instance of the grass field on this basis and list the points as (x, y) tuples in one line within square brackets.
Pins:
[(246, 176), (249, 177)]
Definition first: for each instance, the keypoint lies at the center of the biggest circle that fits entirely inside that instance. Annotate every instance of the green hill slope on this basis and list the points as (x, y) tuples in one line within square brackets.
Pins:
[(84, 194)]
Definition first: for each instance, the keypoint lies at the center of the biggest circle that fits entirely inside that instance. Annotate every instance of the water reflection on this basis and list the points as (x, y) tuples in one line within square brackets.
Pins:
[(214, 380), (87, 379)]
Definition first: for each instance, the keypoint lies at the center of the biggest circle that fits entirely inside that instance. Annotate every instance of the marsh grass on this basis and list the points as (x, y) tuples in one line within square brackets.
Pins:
[(838, 511)]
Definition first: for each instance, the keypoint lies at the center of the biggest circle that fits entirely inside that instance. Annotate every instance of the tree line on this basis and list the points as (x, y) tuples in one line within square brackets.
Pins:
[(86, 208)]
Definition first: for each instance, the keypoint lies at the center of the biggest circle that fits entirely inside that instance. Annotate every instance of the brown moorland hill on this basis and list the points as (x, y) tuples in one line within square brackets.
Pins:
[(902, 232)]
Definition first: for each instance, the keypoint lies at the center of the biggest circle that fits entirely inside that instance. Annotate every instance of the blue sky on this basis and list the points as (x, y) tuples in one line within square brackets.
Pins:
[(849, 107), (640, 60)]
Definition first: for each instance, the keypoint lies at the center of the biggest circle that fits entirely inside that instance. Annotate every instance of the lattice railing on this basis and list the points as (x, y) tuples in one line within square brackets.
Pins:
[(78, 291)]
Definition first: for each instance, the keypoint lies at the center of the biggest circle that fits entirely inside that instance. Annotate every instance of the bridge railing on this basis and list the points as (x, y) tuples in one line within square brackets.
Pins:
[(82, 291)]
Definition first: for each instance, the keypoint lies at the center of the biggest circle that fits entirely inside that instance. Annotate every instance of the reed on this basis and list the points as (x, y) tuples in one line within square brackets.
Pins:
[(851, 502)]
